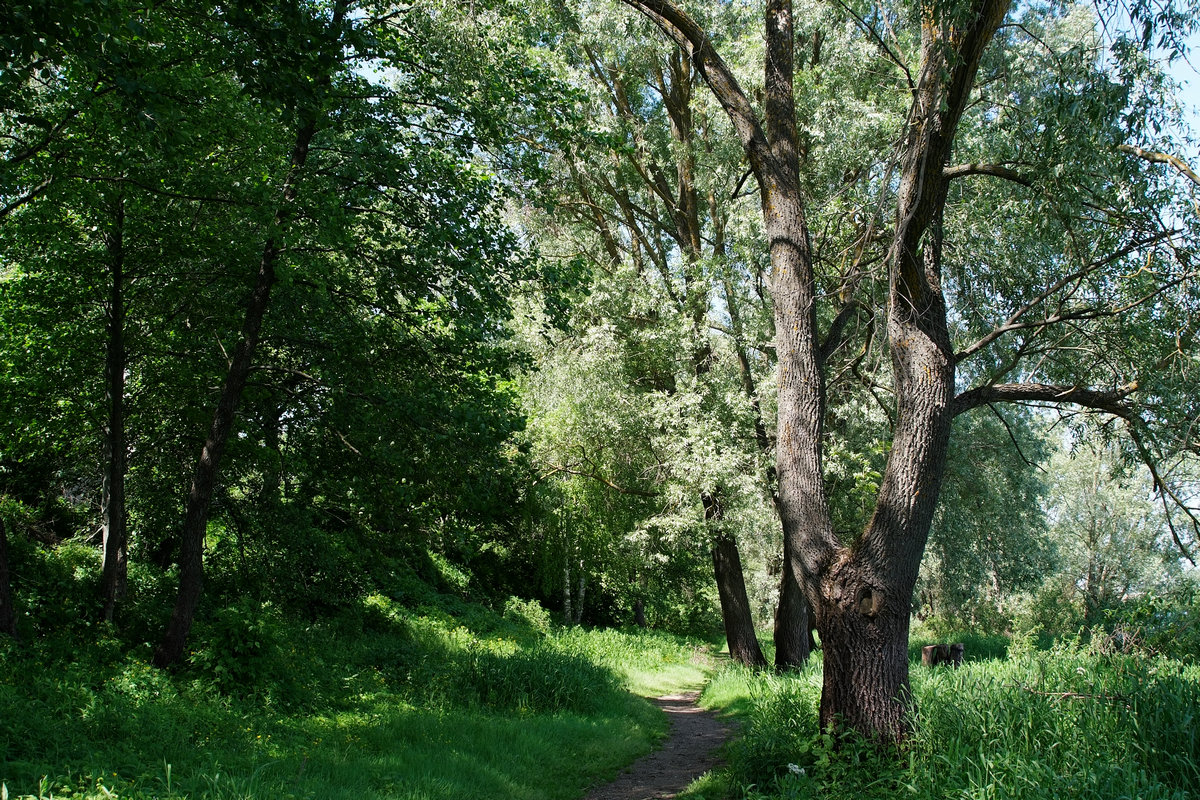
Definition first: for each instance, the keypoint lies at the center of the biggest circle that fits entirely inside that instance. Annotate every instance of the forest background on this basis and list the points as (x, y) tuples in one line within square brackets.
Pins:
[(329, 314)]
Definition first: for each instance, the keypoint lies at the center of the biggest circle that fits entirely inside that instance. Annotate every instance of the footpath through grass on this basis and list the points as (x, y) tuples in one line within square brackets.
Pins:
[(388, 703), (1075, 720)]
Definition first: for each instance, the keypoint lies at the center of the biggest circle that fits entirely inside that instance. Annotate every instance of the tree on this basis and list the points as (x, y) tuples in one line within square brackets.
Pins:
[(945, 313), (1114, 544), (8, 613), (989, 539), (331, 176), (648, 200)]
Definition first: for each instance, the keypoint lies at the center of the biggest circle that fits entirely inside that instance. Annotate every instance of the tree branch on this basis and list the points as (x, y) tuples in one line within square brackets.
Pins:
[(596, 476), (1162, 158), (25, 198), (993, 170), (888, 53), (1112, 401), (838, 327), (1013, 322), (683, 30)]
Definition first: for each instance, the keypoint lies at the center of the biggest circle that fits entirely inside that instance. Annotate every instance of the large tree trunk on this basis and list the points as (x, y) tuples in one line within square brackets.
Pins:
[(865, 647), (191, 558), (8, 613), (866, 594), (860, 594), (115, 547), (793, 624)]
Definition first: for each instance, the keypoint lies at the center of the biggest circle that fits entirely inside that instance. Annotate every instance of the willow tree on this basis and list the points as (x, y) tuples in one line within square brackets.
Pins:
[(1030, 249)]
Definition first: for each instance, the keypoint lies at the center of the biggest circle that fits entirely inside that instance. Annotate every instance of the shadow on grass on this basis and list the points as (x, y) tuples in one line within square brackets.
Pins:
[(399, 711)]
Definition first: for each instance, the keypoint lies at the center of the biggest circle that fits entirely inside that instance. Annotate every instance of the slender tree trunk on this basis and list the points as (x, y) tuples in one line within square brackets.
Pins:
[(568, 617), (731, 588), (580, 595), (115, 546), (793, 623), (8, 613), (639, 612), (735, 605), (191, 558)]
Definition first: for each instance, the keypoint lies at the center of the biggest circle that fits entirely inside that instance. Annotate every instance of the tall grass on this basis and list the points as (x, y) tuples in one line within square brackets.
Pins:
[(1069, 722), (389, 702)]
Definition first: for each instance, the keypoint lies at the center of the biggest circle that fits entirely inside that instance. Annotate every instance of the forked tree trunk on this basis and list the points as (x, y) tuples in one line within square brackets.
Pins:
[(860, 594), (114, 541), (8, 613)]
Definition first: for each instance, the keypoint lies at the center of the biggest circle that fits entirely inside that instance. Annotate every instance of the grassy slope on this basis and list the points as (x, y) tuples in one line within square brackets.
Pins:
[(403, 705)]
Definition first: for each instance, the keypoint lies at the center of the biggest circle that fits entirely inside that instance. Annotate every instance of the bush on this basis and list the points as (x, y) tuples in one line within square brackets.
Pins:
[(1165, 624), (247, 650), (527, 612)]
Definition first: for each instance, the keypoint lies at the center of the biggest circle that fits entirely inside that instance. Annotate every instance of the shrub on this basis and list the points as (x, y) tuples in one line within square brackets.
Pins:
[(527, 612), (1164, 624)]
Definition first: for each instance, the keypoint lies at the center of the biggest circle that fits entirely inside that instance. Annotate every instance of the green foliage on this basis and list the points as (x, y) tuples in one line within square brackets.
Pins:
[(385, 701), (1075, 720), (989, 538), (241, 649), (54, 588), (527, 612), (1168, 624)]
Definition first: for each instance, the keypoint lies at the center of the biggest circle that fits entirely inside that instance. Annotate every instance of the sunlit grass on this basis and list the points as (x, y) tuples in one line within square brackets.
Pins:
[(397, 704), (1071, 721)]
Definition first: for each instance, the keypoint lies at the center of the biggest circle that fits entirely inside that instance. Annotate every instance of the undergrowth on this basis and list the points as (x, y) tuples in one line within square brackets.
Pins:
[(441, 701), (1076, 720)]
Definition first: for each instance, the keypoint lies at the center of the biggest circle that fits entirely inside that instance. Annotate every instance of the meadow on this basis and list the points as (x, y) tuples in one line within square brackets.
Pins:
[(445, 701), (449, 700), (1080, 717)]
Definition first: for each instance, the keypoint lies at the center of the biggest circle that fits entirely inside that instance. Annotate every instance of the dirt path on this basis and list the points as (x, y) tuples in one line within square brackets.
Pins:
[(689, 751)]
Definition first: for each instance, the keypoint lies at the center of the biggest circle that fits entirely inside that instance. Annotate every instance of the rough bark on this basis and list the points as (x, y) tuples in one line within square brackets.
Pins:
[(860, 595), (866, 593), (793, 625), (735, 605), (8, 613), (204, 477), (792, 632), (114, 539)]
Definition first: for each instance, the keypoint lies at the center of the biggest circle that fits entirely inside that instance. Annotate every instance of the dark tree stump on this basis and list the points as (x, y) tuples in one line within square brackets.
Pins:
[(934, 654)]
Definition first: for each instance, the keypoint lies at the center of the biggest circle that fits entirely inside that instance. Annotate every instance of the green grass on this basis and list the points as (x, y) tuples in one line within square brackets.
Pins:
[(389, 703), (1071, 721)]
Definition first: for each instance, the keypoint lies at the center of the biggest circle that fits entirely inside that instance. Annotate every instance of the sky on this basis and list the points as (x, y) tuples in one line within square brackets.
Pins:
[(1187, 72)]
